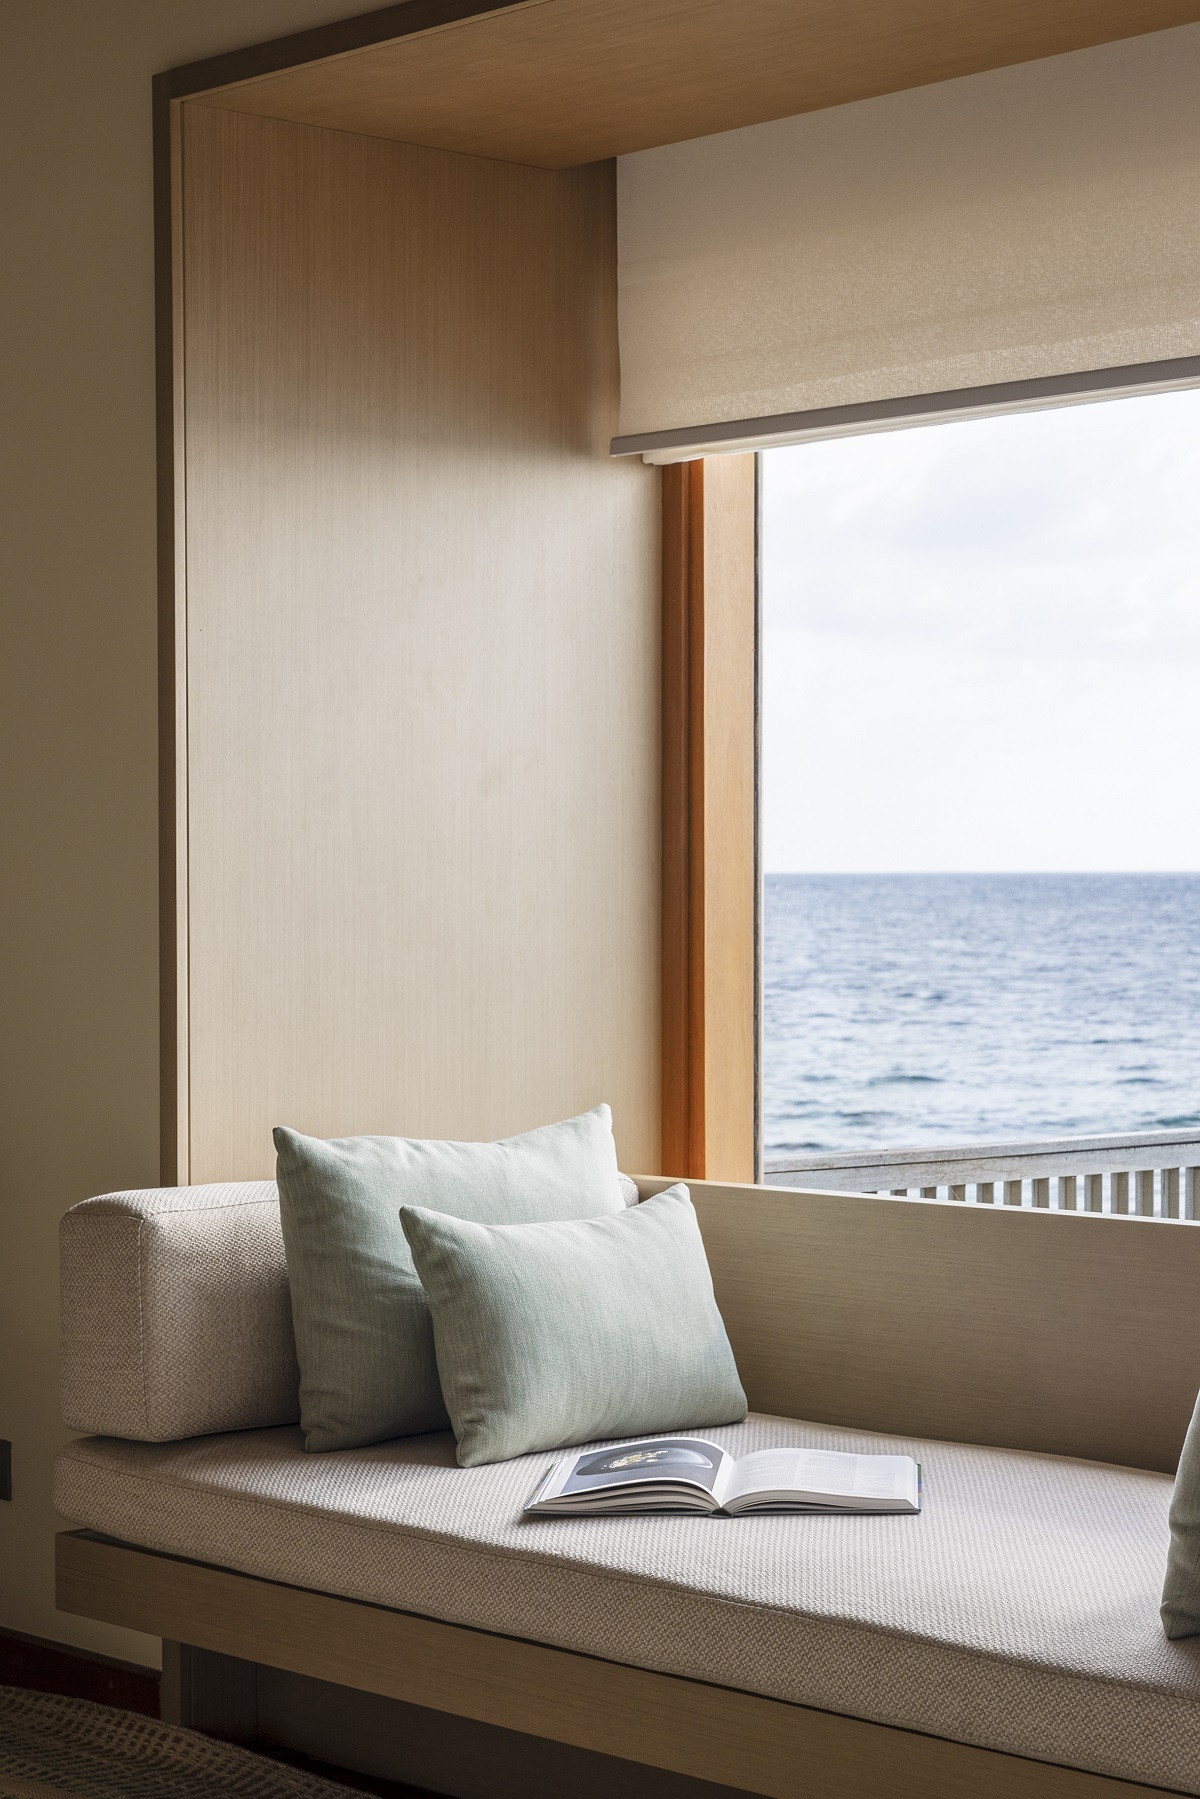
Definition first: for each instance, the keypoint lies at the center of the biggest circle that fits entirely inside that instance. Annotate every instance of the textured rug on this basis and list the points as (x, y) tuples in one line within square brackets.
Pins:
[(52, 1747)]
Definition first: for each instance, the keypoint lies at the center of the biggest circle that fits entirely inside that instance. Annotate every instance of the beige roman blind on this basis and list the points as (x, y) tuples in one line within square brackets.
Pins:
[(1023, 236)]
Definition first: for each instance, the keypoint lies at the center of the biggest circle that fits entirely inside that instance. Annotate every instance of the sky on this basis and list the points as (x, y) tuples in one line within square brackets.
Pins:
[(981, 645)]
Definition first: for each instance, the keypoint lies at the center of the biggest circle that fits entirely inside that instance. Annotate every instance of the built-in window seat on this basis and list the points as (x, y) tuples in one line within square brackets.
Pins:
[(1015, 1621)]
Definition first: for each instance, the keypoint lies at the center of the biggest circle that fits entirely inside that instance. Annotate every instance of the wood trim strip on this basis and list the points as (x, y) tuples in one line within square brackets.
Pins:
[(683, 1085), (727, 871), (322, 42), (697, 807), (759, 872), (659, 1720), (709, 854), (172, 635)]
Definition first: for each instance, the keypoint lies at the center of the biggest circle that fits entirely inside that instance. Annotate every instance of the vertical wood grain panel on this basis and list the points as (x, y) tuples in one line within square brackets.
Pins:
[(683, 935), (730, 885), (423, 650), (709, 824)]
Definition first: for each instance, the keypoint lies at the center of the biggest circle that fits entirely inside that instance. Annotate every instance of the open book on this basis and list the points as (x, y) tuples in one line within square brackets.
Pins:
[(689, 1474)]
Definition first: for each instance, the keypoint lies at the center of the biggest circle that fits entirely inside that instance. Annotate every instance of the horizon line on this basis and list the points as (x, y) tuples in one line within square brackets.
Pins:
[(875, 874)]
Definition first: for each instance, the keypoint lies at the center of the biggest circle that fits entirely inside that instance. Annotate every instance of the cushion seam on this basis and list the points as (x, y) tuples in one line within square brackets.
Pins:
[(109, 1202), (141, 1286)]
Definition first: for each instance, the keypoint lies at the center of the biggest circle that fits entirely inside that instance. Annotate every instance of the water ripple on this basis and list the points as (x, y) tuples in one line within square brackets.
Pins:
[(985, 1006)]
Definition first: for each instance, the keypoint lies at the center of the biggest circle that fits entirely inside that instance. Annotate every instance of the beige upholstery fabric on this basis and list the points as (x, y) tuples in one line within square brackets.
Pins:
[(1020, 1611), (176, 1319)]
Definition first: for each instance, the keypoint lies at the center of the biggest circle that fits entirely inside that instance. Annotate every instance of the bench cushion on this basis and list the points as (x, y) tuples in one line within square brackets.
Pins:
[(1018, 1612)]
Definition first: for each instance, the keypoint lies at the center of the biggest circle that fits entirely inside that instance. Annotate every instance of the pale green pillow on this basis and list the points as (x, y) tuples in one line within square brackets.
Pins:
[(363, 1336), (1180, 1611), (550, 1335)]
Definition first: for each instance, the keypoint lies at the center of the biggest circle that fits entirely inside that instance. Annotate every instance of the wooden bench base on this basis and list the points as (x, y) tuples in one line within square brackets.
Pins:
[(422, 1750)]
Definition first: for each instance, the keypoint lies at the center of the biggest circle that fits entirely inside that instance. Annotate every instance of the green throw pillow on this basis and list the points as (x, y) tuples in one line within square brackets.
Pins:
[(1180, 1611), (550, 1335), (363, 1336)]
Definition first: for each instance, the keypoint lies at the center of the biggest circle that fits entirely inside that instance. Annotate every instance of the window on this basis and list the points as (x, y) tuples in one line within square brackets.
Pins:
[(981, 804)]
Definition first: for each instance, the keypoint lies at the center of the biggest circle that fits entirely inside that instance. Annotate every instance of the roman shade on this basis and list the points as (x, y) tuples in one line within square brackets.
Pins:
[(1024, 236)]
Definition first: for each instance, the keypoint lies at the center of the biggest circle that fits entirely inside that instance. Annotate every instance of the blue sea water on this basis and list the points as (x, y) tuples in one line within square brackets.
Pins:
[(908, 1009)]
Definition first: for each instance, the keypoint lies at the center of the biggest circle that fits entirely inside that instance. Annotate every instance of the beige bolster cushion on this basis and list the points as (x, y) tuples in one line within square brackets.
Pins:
[(176, 1315)]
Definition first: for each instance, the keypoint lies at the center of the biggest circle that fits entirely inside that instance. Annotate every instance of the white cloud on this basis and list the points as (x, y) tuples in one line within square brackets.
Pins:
[(981, 644)]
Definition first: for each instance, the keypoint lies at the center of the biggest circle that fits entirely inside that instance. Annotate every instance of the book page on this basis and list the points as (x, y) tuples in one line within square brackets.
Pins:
[(829, 1473), (690, 1461)]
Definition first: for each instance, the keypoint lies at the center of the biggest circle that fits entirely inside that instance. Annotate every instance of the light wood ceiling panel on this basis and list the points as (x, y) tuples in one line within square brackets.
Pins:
[(560, 82)]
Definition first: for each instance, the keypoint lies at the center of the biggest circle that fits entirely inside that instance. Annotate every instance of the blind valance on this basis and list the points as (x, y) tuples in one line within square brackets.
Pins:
[(993, 240)]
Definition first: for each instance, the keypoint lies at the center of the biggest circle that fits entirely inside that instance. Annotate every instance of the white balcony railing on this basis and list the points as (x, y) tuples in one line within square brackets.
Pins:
[(1152, 1174)]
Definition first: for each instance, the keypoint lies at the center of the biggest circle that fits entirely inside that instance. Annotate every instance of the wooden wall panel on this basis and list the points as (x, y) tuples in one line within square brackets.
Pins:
[(559, 82), (422, 650)]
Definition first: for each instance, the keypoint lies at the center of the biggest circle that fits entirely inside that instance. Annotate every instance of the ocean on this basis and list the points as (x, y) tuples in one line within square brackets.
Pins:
[(910, 1009)]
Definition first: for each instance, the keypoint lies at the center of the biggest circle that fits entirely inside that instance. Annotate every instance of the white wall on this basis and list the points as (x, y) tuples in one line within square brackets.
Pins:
[(78, 731)]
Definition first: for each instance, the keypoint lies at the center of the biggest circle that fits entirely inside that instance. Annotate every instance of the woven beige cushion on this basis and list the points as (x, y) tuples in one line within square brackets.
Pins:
[(176, 1318), (1020, 1611)]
